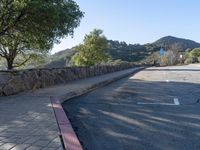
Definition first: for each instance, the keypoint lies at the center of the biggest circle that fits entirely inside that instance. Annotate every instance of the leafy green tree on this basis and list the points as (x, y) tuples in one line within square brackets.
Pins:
[(31, 27), (10, 15), (195, 52), (192, 56), (153, 58), (92, 51)]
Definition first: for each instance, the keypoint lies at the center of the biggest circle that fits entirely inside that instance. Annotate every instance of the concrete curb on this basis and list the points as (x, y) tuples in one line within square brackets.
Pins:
[(69, 138)]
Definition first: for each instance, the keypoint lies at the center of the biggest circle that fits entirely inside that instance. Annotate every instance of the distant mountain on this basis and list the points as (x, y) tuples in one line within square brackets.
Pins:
[(174, 43), (127, 52), (62, 53)]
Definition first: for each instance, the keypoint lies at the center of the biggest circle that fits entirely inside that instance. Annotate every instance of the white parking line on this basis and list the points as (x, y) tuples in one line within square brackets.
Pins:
[(176, 102), (142, 103), (167, 81)]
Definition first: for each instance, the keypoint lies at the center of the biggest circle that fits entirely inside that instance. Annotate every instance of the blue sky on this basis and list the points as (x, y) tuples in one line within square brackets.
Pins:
[(137, 21)]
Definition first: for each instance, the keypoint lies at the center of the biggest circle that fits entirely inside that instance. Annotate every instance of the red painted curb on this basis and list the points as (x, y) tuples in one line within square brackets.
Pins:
[(70, 140)]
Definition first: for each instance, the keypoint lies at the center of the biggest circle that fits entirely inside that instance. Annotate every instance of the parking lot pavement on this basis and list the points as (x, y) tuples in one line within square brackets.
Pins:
[(131, 113)]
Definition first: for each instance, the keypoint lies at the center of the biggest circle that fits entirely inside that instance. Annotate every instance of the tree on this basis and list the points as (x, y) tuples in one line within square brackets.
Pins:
[(9, 16), (196, 53), (92, 51), (192, 56), (153, 58), (170, 58), (31, 27)]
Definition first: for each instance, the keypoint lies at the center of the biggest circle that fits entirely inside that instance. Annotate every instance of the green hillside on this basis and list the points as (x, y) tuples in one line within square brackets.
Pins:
[(59, 59), (127, 52)]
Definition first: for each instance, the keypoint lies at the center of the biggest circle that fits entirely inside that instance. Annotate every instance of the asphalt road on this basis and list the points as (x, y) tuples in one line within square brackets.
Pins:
[(139, 112)]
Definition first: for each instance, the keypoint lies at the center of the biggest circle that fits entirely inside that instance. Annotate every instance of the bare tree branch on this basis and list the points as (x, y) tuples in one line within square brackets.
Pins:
[(3, 51), (23, 63)]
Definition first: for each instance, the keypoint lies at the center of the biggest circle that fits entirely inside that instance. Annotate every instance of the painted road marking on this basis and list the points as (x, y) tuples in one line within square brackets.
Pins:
[(167, 80), (141, 103), (176, 102)]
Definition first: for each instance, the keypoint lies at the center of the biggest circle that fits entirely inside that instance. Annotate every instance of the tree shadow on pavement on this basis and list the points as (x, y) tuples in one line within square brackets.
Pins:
[(27, 122), (110, 118)]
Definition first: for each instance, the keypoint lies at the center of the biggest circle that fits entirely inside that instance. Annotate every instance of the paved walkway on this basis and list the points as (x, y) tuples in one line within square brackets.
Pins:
[(27, 120)]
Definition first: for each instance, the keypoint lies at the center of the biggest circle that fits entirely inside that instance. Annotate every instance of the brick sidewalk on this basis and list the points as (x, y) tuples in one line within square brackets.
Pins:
[(27, 120)]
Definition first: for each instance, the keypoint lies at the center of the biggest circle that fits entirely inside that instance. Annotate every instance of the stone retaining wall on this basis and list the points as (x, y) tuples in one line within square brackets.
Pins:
[(13, 82)]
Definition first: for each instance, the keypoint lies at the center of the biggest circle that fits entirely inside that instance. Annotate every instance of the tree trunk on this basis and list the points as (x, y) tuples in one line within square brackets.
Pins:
[(10, 63)]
